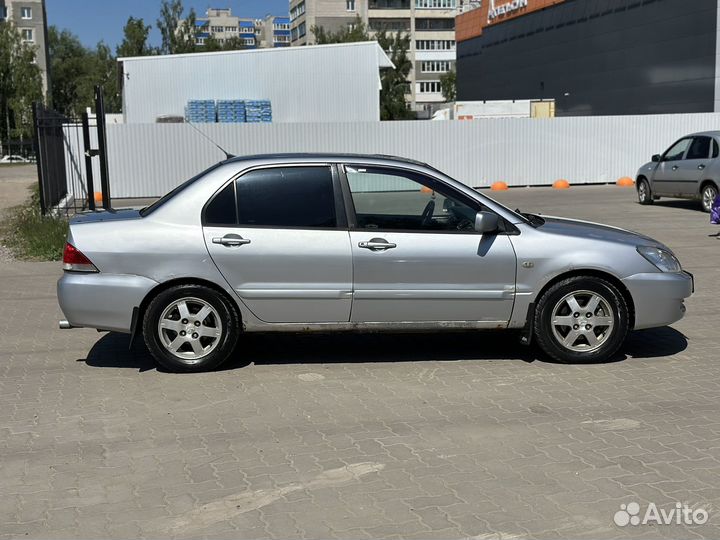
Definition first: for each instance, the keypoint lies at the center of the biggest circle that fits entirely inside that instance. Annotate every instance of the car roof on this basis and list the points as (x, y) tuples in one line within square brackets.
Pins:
[(715, 133), (324, 157)]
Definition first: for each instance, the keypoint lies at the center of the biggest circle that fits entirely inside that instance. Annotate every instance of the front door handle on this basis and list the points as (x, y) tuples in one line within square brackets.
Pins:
[(701, 166), (377, 244), (675, 168), (231, 240)]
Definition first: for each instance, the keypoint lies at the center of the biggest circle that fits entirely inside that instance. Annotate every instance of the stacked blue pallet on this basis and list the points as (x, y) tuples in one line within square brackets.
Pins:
[(231, 111), (200, 111), (259, 110)]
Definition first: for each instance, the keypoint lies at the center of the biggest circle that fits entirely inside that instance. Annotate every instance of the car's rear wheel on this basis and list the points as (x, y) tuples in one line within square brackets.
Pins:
[(707, 196), (581, 320), (190, 328), (643, 191)]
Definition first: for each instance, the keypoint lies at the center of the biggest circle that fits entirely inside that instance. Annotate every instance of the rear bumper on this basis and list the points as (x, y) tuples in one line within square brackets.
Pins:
[(659, 297), (103, 301)]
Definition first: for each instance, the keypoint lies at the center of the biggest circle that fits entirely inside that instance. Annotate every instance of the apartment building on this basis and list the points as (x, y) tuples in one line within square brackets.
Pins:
[(221, 24), (430, 23), (29, 18)]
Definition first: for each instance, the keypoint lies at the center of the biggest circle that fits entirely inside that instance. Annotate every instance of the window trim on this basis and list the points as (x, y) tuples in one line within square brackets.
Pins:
[(341, 223), (710, 149), (505, 227)]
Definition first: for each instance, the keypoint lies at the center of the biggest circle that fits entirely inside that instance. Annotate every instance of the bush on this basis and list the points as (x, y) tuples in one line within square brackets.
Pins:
[(31, 236)]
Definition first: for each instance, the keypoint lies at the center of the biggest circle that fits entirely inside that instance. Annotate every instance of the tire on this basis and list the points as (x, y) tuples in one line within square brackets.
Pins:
[(707, 195), (555, 308), (190, 328), (645, 195)]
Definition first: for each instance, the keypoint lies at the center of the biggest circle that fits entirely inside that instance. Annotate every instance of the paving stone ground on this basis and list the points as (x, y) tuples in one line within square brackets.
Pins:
[(365, 436)]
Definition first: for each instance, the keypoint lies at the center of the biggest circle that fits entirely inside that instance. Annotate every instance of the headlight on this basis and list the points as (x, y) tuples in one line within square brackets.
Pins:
[(662, 258)]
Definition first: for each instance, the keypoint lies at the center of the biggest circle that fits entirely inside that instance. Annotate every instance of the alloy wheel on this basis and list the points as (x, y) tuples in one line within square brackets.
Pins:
[(708, 197), (190, 329), (582, 321)]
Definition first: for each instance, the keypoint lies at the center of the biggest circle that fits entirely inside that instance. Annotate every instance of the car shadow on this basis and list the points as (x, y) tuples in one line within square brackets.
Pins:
[(111, 351), (684, 204)]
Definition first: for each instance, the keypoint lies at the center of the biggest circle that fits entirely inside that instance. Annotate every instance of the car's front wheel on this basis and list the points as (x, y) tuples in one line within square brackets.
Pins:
[(707, 195), (581, 320), (643, 192), (190, 328)]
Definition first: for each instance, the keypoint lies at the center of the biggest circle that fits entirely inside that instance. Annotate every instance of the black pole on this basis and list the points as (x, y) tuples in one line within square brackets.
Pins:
[(38, 155), (102, 146), (88, 161)]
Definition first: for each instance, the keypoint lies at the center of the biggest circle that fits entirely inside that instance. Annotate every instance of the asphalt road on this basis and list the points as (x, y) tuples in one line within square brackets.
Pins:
[(364, 436)]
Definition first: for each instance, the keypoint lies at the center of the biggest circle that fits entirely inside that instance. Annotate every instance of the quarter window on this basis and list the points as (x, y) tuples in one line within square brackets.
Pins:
[(287, 197), (677, 151), (401, 200), (222, 209)]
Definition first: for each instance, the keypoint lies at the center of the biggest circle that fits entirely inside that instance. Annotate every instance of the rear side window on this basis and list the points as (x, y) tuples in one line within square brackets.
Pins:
[(286, 197), (699, 149), (716, 149)]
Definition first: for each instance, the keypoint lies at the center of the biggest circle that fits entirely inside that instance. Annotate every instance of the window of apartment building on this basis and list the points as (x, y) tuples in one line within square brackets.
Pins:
[(231, 29), (436, 4), (379, 24), (247, 30), (350, 5), (27, 34), (248, 41), (436, 66), (297, 11), (26, 13), (389, 4), (428, 87), (294, 34), (3, 13), (281, 39), (200, 41), (435, 24), (216, 29), (435, 44), (281, 26), (302, 30)]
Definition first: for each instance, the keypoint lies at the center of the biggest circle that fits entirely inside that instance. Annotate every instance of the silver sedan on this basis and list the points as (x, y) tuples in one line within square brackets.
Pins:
[(305, 243), (689, 169)]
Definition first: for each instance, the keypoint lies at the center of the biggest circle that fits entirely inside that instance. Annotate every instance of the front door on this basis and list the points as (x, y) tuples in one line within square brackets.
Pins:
[(416, 255), (278, 236), (668, 176), (692, 168)]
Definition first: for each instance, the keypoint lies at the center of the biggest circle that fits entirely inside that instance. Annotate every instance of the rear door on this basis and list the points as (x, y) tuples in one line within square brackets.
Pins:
[(279, 237), (692, 168)]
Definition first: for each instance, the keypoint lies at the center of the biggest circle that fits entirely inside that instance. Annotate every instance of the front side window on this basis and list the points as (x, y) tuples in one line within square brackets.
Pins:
[(677, 151), (699, 149), (388, 199), (286, 197)]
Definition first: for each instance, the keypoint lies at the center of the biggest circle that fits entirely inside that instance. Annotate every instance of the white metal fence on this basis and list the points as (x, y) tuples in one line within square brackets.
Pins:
[(147, 160)]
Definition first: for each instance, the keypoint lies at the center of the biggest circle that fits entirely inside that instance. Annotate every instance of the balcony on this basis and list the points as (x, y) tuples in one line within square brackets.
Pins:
[(389, 4)]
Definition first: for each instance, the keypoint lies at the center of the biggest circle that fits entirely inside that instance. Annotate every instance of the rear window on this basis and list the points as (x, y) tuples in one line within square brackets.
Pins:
[(165, 198)]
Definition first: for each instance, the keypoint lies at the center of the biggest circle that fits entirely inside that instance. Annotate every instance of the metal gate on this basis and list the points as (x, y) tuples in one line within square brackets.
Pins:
[(66, 180)]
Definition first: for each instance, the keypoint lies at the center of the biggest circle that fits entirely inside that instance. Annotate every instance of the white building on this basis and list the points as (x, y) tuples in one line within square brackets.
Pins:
[(324, 83)]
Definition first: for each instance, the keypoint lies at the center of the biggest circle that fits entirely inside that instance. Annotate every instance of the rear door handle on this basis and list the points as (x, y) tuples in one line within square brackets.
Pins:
[(675, 168), (701, 166), (231, 240), (377, 244)]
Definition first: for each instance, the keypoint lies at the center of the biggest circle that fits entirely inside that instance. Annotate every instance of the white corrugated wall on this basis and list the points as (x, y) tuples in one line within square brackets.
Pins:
[(147, 160), (305, 84)]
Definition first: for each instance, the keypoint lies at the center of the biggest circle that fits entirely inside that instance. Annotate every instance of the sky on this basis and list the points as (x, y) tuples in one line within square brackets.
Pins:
[(95, 20)]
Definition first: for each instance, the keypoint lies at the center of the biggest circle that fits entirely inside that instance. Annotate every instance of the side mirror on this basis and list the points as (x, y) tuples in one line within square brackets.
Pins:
[(486, 222), (656, 158)]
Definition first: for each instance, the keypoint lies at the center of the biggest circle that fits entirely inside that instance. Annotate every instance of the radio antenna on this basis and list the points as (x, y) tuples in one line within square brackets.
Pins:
[(228, 155)]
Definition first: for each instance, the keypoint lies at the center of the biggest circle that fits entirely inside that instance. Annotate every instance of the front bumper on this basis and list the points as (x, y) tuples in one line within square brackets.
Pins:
[(659, 297), (103, 301)]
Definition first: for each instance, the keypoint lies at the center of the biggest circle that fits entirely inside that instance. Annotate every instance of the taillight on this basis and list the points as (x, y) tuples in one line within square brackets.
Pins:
[(75, 261)]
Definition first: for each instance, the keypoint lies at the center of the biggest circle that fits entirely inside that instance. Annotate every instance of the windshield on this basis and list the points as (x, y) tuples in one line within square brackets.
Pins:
[(165, 198)]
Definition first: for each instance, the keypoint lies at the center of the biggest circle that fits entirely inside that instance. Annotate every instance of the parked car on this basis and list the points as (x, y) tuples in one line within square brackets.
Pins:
[(689, 169), (304, 243), (13, 159)]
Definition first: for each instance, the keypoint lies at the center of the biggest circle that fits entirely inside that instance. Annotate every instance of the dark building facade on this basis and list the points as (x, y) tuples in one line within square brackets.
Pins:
[(594, 57)]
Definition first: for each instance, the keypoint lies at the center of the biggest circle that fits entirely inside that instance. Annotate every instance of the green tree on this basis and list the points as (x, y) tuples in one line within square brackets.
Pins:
[(75, 72), (135, 39), (394, 83), (20, 83), (448, 85), (178, 35)]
